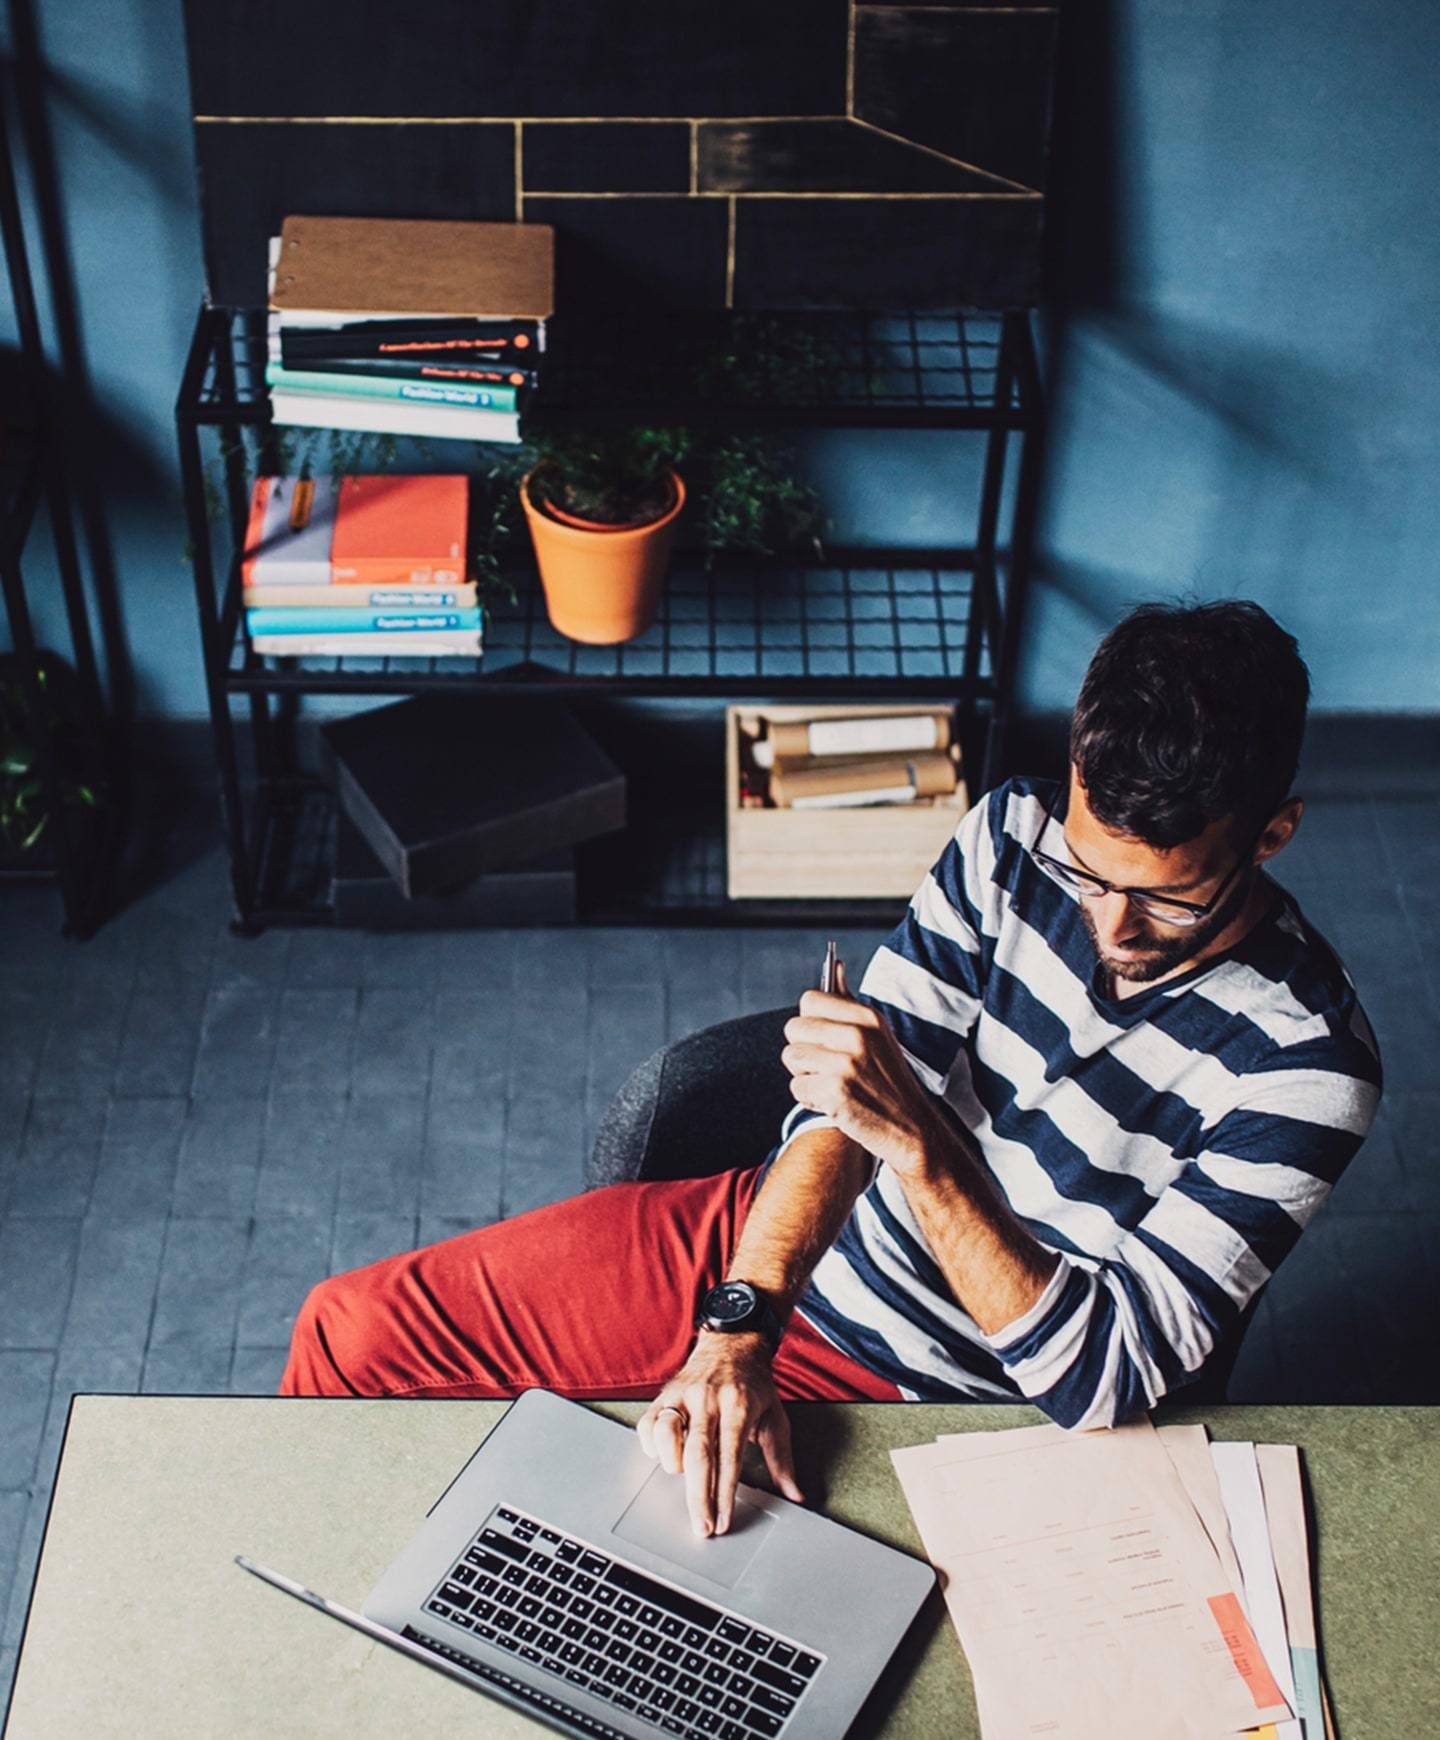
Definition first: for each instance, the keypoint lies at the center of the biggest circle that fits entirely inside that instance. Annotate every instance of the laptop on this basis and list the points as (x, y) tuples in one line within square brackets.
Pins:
[(559, 1574)]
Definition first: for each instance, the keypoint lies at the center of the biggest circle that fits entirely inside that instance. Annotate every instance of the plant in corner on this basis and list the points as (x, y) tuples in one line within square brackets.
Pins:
[(25, 815)]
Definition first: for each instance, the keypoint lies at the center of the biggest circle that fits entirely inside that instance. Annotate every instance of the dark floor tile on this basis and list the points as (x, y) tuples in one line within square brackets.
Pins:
[(262, 961), (777, 966), (626, 957), (288, 1254), (25, 1014), (470, 1043), (464, 1154), (316, 1040), (257, 1370), (1414, 1117), (546, 959), (237, 1040), (116, 1273), (139, 1155), (187, 1370), (25, 1375), (357, 1240), (219, 1161), (37, 1270), (59, 1157), (393, 1041), (302, 1136), (544, 1152), (436, 1228), (1384, 1264), (400, 960), (627, 1024), (381, 1156), (82, 1047), (161, 1038), (1324, 1350), (15, 1571), (1410, 831), (198, 1297), (702, 980), (549, 1039), (326, 959), (477, 960)]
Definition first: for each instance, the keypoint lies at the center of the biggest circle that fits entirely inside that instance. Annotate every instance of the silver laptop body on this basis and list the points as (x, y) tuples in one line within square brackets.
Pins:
[(559, 1573)]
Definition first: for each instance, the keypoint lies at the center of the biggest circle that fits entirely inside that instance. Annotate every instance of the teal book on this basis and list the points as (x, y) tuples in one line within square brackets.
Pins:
[(303, 621), (388, 387)]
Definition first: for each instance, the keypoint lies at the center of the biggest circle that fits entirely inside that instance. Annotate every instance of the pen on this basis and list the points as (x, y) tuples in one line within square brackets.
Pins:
[(830, 971)]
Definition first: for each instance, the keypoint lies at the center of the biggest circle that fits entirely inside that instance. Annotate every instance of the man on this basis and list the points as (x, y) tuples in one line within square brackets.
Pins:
[(1090, 1092)]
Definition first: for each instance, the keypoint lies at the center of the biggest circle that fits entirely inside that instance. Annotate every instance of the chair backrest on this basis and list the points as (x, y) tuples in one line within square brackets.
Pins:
[(710, 1101)]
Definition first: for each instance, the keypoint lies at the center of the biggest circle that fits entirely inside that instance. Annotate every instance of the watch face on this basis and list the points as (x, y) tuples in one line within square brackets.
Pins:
[(730, 1302)]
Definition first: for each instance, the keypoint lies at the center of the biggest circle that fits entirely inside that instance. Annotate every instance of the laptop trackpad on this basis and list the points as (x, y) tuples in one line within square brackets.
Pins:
[(658, 1520)]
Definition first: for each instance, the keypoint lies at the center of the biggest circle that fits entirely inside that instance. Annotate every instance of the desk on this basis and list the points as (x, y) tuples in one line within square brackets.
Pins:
[(140, 1625)]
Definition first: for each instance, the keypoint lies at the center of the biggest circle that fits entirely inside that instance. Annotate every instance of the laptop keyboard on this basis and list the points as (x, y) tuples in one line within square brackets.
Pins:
[(599, 1624)]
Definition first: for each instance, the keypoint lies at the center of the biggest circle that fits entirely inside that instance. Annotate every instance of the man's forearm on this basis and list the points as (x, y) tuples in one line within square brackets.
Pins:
[(805, 1200), (992, 1264)]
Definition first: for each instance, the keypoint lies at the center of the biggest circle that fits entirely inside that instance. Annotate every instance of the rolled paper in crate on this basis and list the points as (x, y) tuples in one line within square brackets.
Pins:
[(880, 734), (899, 779)]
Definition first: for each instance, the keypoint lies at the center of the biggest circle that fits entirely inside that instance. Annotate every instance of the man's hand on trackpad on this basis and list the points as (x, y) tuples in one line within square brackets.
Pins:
[(721, 1399)]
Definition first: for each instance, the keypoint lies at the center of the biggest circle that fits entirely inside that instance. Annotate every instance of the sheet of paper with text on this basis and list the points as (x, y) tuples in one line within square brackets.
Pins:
[(1088, 1597)]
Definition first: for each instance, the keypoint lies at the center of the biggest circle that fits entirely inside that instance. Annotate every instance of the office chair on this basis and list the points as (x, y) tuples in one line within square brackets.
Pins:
[(716, 1099)]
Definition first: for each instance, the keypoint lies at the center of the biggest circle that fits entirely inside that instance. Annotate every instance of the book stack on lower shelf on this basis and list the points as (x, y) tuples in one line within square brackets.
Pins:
[(463, 810), (369, 566), (404, 327)]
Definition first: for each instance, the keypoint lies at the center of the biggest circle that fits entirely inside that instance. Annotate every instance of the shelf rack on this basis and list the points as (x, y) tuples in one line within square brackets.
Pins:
[(839, 624)]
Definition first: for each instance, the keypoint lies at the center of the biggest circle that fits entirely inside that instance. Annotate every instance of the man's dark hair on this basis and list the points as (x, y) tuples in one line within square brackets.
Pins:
[(1188, 714)]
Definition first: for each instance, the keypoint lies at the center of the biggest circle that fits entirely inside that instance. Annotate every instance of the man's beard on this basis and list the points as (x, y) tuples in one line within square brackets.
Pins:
[(1159, 956)]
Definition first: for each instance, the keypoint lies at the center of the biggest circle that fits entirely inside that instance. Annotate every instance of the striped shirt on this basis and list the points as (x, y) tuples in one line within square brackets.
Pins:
[(1169, 1147)]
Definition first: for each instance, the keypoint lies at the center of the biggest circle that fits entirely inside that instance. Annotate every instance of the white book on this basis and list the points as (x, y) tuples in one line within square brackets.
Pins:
[(408, 643), (394, 417)]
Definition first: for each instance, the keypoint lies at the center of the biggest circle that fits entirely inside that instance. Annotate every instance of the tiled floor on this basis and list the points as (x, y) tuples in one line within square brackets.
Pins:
[(194, 1128)]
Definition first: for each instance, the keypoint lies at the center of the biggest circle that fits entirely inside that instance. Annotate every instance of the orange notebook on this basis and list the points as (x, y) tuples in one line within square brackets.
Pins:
[(400, 531)]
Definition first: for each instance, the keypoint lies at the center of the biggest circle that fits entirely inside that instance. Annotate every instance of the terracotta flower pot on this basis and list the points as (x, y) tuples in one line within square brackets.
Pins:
[(602, 583)]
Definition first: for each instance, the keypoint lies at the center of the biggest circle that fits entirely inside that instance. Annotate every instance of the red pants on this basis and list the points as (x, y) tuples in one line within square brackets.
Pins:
[(594, 1297)]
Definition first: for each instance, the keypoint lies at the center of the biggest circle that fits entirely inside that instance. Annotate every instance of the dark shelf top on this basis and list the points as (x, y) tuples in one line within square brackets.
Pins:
[(858, 622), (906, 369)]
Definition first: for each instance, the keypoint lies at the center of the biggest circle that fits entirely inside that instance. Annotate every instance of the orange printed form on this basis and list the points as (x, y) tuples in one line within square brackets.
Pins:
[(1245, 1651), (1082, 1584)]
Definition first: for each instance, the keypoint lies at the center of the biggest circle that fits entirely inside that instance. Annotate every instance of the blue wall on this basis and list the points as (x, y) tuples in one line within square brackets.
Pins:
[(1245, 364)]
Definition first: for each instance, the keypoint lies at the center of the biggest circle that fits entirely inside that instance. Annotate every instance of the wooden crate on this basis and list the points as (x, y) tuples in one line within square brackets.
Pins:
[(877, 853)]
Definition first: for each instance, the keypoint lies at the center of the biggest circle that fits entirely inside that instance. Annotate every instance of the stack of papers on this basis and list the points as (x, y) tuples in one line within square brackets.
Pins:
[(1123, 1583)]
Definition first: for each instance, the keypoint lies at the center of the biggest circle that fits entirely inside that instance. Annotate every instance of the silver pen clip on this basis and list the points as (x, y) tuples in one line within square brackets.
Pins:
[(829, 973)]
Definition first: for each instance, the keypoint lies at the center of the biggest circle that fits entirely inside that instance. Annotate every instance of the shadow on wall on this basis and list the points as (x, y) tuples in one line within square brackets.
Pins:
[(110, 472), (1186, 453)]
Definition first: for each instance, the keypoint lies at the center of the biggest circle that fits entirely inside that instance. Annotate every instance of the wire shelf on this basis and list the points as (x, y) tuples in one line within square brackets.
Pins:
[(726, 627), (899, 368)]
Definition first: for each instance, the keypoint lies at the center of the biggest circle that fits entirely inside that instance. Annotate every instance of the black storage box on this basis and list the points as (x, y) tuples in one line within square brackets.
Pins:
[(365, 896), (445, 788)]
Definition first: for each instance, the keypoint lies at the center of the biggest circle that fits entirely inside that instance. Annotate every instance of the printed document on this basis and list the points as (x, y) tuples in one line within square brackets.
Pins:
[(1090, 1602)]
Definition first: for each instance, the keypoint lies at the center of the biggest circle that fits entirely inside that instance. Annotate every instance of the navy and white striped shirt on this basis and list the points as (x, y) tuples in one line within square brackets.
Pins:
[(1171, 1147)]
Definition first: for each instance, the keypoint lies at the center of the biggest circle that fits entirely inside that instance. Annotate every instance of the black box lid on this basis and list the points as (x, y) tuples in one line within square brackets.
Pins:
[(447, 787)]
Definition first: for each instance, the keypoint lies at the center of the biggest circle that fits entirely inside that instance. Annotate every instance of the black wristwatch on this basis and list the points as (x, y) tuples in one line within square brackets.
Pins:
[(737, 1308)]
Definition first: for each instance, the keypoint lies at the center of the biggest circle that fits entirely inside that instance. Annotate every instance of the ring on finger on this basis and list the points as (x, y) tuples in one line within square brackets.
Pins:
[(676, 1412)]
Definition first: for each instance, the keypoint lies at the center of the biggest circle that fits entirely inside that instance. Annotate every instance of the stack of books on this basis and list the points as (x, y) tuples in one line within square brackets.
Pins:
[(408, 327), (369, 566)]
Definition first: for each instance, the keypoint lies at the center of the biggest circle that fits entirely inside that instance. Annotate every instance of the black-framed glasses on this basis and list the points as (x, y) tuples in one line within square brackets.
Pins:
[(1164, 907)]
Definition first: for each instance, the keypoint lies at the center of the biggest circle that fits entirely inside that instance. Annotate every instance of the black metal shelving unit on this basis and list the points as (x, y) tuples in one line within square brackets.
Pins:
[(854, 623)]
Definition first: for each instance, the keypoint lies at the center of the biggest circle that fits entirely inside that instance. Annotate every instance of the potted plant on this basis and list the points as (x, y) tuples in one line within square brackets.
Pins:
[(27, 823), (601, 506)]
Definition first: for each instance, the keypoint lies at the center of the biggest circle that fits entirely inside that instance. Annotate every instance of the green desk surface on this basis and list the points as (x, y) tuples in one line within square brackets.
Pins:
[(141, 1626)]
